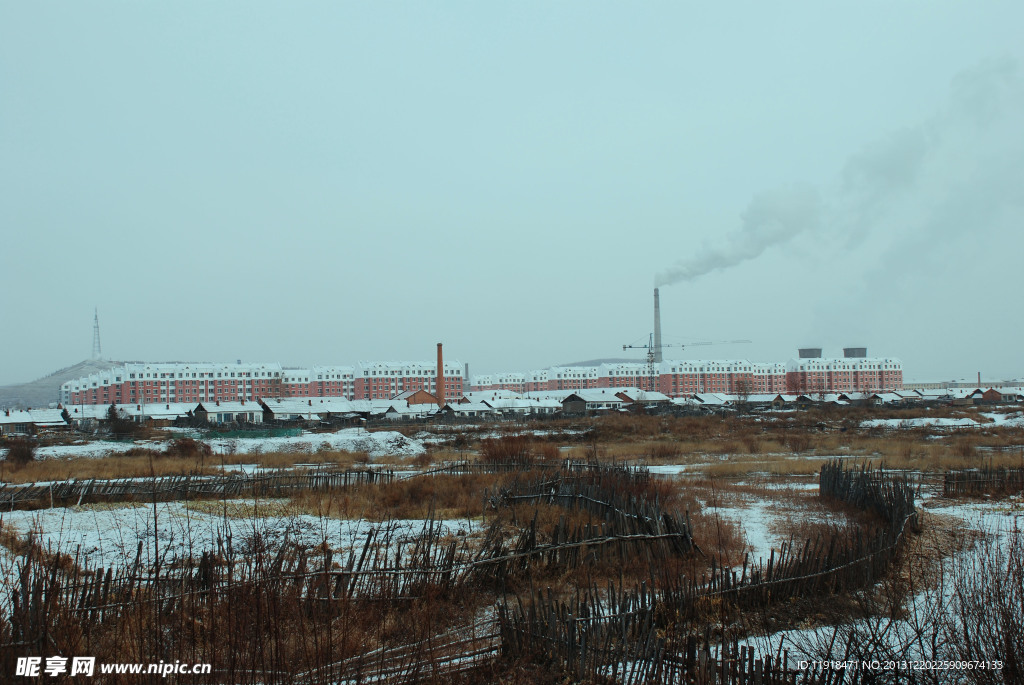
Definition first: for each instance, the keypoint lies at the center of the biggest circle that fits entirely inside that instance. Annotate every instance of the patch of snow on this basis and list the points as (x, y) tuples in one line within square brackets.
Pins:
[(920, 422), (667, 469), (376, 444), (98, 448), (109, 537), (1014, 420), (9, 567)]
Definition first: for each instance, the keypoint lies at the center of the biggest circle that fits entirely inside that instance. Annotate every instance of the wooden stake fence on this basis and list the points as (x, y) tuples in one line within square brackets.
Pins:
[(986, 480), (188, 487)]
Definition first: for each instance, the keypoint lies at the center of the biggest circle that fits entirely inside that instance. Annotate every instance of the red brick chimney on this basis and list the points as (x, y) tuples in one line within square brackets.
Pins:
[(440, 376)]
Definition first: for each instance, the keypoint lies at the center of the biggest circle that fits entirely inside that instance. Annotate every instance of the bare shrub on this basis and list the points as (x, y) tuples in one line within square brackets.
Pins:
[(547, 452), (508, 449), (662, 451), (142, 452), (798, 442), (188, 448), (987, 616), (964, 447), (20, 451)]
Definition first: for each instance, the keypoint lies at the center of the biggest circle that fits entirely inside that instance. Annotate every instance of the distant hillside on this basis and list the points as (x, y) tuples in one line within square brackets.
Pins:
[(42, 391)]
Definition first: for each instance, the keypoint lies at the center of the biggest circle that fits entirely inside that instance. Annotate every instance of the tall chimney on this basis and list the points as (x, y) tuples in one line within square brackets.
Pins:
[(657, 326), (440, 377)]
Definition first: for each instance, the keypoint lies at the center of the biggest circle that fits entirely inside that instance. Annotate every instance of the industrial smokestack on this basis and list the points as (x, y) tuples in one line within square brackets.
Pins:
[(440, 376), (657, 326)]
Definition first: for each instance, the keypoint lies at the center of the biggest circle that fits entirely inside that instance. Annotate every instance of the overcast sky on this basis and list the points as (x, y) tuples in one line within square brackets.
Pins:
[(328, 182)]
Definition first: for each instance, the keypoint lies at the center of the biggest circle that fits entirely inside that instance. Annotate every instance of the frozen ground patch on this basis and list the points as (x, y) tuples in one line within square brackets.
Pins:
[(109, 537), (376, 444), (8, 568), (98, 448), (1014, 420), (920, 422)]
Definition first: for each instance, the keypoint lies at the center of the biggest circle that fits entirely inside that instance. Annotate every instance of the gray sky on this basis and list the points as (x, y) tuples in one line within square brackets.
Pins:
[(323, 182)]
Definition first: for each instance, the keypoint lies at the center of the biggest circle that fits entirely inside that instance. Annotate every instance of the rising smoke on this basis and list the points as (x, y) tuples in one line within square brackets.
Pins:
[(925, 182), (770, 219)]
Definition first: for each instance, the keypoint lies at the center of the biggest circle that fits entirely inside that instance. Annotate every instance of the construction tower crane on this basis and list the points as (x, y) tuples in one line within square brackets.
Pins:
[(654, 351)]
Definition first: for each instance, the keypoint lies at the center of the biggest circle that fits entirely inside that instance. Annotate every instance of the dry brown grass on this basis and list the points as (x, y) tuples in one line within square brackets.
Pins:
[(439, 495), (159, 464)]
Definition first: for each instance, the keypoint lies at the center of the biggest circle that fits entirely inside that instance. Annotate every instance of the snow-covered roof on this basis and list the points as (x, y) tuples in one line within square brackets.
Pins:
[(762, 397), (413, 368), (844, 364), (523, 404), (491, 395), (470, 408), (711, 399), (85, 412), (638, 395), (162, 410), (288, 408), (36, 417), (604, 396), (571, 372), (557, 395), (230, 407)]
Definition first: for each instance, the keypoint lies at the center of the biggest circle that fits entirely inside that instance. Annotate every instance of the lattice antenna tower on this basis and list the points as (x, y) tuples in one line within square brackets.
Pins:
[(97, 351)]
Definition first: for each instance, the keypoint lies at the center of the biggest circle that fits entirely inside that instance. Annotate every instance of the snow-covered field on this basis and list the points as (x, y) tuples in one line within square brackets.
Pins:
[(376, 444), (920, 422), (764, 521), (995, 419), (8, 566), (109, 536), (1015, 419), (1000, 519)]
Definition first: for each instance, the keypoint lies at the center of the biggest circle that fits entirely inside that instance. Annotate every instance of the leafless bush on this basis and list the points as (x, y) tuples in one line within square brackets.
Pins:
[(969, 608), (986, 620), (20, 451), (189, 448), (964, 447), (508, 449), (661, 451), (547, 452), (798, 442)]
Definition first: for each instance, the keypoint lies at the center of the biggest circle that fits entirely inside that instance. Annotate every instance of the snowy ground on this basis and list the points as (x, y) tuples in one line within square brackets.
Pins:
[(376, 444), (919, 422), (1001, 518), (8, 567), (108, 536), (1015, 420)]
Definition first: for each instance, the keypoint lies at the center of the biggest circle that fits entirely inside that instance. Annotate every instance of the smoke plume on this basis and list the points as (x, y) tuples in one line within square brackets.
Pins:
[(771, 218), (917, 188)]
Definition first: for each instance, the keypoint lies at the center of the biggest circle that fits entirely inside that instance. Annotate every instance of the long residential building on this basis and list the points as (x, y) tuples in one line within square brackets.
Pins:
[(682, 378), (207, 382)]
